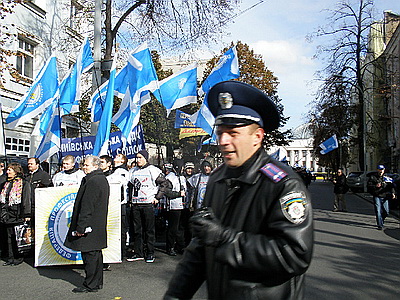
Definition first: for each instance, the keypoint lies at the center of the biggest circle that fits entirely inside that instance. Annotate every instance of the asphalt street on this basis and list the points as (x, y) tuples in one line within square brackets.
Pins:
[(352, 260)]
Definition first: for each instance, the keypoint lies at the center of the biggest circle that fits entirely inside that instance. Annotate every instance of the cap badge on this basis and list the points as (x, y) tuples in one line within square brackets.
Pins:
[(225, 100)]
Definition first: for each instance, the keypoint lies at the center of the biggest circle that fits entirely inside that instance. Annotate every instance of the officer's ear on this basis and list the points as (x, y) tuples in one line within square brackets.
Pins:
[(258, 133)]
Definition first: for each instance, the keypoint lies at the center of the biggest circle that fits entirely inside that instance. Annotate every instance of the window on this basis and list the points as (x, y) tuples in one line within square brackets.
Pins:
[(17, 146), (304, 153), (25, 57)]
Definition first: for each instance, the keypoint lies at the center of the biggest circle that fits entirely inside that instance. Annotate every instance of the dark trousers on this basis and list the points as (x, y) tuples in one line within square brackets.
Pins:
[(174, 234), (93, 261), (9, 246), (144, 228), (184, 225), (124, 229)]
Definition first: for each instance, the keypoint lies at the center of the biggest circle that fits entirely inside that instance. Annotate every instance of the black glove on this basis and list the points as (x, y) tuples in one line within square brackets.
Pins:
[(207, 228)]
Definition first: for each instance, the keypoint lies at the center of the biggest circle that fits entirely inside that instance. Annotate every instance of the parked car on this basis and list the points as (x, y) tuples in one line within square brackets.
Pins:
[(355, 181)]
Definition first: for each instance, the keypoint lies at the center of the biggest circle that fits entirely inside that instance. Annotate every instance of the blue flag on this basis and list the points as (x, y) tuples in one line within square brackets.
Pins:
[(96, 103), (179, 89), (227, 68), (51, 140), (276, 155), (203, 118), (38, 97), (329, 145), (141, 78), (103, 132), (70, 87)]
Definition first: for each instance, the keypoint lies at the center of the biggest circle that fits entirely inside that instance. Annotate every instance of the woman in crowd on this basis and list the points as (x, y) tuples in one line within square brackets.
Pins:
[(15, 208)]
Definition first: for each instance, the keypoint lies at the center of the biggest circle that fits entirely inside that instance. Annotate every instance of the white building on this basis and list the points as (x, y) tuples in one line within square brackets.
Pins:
[(37, 29), (300, 150)]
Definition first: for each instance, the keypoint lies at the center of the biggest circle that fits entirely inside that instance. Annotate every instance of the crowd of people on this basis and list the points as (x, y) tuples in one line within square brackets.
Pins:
[(172, 190)]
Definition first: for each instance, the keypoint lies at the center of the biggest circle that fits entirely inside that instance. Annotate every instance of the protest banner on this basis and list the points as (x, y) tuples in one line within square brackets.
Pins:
[(53, 212), (81, 147)]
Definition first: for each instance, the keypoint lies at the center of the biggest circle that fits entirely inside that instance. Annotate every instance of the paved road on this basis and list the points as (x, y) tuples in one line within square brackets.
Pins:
[(352, 260)]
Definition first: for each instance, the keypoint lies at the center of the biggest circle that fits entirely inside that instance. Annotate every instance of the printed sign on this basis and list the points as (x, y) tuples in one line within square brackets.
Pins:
[(182, 120), (81, 147), (52, 219)]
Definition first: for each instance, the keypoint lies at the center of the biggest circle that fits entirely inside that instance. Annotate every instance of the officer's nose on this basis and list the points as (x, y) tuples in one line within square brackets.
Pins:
[(223, 138)]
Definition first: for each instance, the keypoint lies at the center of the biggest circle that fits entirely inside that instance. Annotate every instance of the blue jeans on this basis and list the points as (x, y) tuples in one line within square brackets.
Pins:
[(381, 210)]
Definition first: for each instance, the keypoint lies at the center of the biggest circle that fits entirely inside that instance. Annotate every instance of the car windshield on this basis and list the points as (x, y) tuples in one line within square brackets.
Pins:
[(355, 174)]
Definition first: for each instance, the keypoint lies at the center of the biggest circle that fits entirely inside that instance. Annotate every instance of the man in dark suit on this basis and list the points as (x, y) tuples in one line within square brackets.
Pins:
[(87, 232), (36, 176)]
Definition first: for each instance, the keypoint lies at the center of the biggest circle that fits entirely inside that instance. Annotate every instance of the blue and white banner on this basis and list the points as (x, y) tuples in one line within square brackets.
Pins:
[(142, 79), (81, 147), (182, 120), (39, 96), (203, 118), (103, 131), (70, 87), (329, 145), (227, 68), (51, 140), (179, 89)]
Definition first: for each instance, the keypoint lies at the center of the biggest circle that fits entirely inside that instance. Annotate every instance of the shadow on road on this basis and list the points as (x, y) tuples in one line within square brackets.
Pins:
[(65, 273), (393, 233)]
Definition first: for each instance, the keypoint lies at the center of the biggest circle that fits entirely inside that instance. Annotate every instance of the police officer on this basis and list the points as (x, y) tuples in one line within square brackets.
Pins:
[(253, 238)]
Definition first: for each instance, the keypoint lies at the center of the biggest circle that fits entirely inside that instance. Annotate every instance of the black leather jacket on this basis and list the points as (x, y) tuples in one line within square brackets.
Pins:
[(269, 210)]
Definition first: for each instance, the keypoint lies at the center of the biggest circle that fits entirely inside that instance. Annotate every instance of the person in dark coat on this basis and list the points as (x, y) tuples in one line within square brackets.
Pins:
[(253, 237), (340, 188), (381, 187), (36, 176), (38, 179), (15, 208), (87, 232)]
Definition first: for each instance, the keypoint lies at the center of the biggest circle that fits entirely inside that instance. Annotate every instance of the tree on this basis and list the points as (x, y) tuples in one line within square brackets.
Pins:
[(332, 115), (6, 8), (348, 26), (172, 24), (253, 71)]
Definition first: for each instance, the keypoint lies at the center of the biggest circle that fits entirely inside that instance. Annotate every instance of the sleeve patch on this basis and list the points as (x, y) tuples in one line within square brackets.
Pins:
[(294, 207), (273, 172)]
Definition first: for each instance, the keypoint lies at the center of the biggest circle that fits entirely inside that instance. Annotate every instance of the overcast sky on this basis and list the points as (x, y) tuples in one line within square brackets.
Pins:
[(277, 30)]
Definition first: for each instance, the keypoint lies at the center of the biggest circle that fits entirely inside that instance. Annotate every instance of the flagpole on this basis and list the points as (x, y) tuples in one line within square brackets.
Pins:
[(82, 144), (60, 122), (4, 132)]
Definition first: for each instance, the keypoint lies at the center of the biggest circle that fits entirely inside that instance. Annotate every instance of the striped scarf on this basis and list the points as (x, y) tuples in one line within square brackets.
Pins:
[(14, 195)]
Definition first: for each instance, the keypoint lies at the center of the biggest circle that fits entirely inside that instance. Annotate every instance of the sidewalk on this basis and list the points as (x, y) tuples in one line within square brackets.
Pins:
[(369, 198)]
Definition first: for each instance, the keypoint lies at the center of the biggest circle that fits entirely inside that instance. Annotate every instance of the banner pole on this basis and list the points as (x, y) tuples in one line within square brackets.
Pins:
[(3, 132)]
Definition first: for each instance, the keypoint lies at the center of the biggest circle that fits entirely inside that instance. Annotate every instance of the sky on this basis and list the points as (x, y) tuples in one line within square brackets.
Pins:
[(277, 30)]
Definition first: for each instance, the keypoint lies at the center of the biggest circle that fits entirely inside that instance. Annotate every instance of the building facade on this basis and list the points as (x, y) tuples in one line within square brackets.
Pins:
[(381, 69), (37, 29), (300, 151)]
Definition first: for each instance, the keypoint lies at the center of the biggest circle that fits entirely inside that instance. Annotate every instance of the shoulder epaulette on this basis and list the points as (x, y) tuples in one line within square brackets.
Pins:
[(273, 172)]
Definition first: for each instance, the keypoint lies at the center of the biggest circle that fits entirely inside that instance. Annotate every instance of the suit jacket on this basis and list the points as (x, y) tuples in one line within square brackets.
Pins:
[(39, 179), (90, 211)]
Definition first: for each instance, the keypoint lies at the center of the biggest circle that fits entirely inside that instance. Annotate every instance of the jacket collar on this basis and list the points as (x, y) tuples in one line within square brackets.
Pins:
[(251, 173), (94, 173)]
